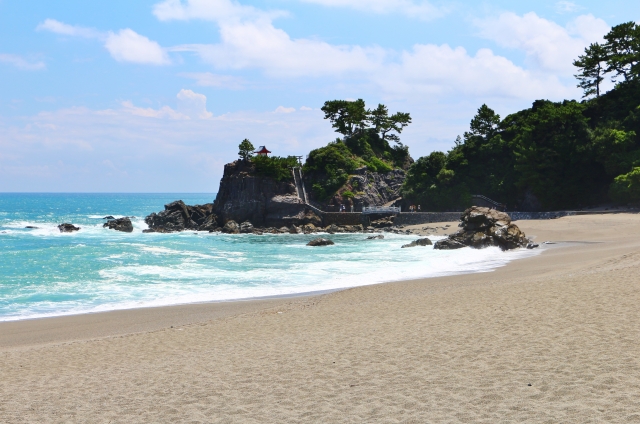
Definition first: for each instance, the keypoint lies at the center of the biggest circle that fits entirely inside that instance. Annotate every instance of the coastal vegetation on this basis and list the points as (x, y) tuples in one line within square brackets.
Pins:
[(554, 155), (370, 137), (276, 167)]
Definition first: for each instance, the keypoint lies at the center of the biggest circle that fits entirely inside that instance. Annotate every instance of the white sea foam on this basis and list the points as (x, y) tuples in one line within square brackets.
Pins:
[(168, 274)]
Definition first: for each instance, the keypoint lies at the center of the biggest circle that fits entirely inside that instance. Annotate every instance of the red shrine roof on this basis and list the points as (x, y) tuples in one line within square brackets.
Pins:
[(262, 150)]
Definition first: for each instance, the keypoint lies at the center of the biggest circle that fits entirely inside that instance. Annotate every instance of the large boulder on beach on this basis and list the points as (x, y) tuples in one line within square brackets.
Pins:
[(320, 242), (120, 224), (484, 227), (67, 228)]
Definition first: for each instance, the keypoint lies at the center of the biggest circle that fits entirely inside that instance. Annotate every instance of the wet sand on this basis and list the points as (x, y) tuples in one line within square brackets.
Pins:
[(550, 338)]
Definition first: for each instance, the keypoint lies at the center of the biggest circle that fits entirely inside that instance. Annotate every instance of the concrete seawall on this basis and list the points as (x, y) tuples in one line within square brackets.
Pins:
[(343, 218)]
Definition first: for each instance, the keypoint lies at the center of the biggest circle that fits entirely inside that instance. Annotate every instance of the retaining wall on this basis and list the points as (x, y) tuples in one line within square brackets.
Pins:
[(414, 218), (341, 218), (518, 216)]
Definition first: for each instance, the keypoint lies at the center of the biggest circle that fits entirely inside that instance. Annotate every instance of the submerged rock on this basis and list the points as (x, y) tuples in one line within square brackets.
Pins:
[(67, 228), (320, 242), (484, 227), (419, 242), (109, 217), (380, 237), (120, 224)]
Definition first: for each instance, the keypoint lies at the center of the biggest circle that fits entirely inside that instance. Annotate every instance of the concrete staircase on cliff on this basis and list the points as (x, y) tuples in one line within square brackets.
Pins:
[(302, 192)]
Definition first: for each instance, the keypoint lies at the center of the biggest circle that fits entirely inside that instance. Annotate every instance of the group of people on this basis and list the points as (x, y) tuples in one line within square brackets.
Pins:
[(343, 208), (414, 208)]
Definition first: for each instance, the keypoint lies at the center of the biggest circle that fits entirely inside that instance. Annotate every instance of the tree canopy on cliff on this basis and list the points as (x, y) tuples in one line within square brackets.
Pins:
[(365, 142), (554, 155), (619, 55), (245, 149)]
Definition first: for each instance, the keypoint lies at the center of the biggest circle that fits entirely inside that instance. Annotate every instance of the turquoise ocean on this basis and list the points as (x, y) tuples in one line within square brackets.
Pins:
[(45, 273)]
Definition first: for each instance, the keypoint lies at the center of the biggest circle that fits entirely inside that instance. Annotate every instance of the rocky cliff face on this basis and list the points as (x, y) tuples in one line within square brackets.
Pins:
[(263, 201), (369, 189)]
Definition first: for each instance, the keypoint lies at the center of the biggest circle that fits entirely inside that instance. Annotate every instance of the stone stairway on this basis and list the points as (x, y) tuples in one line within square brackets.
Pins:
[(301, 190)]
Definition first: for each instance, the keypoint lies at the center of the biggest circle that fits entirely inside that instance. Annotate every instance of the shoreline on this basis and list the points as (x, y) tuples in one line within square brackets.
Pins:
[(153, 316), (434, 230), (552, 337)]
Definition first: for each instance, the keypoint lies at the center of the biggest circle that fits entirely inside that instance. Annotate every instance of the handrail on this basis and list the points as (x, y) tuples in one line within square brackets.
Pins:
[(380, 209), (485, 198)]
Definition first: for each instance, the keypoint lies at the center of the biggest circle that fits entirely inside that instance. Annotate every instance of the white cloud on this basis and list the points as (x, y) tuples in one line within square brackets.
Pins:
[(211, 10), (193, 105), (164, 112), (207, 79), (124, 46), (20, 62), (129, 46), (282, 109), (548, 46), (66, 29), (414, 9), (261, 45), (443, 70), (567, 7)]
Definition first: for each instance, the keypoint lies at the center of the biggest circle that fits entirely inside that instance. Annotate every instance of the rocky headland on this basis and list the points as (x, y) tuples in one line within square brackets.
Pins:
[(245, 196)]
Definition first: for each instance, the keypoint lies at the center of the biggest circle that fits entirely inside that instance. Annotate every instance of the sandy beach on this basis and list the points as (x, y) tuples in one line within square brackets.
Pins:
[(551, 338)]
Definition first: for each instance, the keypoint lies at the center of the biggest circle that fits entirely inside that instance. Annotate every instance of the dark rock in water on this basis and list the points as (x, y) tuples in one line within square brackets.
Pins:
[(320, 242), (419, 242), (231, 227), (380, 236), (484, 227), (532, 246), (120, 224), (448, 244), (209, 223), (31, 227), (295, 230), (108, 217), (177, 216), (67, 228), (246, 227)]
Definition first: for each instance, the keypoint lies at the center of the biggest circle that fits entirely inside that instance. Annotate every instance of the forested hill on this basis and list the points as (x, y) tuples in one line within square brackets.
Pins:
[(554, 155)]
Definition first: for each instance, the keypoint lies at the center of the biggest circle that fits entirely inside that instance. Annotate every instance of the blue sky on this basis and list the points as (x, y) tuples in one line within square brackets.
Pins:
[(151, 96)]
